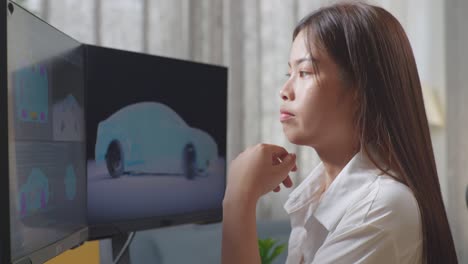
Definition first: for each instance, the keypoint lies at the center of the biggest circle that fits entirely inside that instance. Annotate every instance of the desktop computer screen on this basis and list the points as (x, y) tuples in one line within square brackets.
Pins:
[(156, 141), (46, 139), (113, 140)]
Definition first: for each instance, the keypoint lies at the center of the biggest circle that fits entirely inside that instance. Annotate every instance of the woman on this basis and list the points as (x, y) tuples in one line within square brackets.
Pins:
[(354, 95)]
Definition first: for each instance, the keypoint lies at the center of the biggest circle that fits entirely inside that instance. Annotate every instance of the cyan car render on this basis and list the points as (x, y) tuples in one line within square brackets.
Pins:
[(151, 138)]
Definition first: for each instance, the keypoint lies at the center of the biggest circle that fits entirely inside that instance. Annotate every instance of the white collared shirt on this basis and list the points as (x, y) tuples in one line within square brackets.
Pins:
[(363, 217)]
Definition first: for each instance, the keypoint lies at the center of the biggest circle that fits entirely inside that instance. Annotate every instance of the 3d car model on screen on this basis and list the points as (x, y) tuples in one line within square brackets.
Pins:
[(151, 138)]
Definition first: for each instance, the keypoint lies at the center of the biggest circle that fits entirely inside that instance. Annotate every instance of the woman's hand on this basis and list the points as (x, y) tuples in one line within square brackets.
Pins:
[(259, 170), (256, 171)]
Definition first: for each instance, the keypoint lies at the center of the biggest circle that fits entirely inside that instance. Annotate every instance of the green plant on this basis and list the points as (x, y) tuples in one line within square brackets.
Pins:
[(268, 250)]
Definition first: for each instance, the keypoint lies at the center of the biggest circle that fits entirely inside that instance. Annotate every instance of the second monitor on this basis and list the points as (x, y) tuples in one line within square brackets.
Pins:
[(156, 141)]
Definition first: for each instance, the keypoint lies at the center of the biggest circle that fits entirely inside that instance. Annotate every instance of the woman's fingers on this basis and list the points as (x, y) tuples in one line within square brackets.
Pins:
[(279, 155), (278, 158), (288, 182), (295, 168), (268, 167), (275, 149)]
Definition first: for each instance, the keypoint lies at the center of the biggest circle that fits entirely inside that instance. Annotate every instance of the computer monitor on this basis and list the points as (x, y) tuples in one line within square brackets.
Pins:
[(156, 141), (42, 139)]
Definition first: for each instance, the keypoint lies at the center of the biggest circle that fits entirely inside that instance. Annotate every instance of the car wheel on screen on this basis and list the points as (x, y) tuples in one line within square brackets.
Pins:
[(115, 159), (190, 161)]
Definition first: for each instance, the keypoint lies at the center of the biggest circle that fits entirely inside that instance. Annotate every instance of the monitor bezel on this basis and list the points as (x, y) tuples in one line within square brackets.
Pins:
[(214, 215), (79, 236), (109, 230), (5, 241)]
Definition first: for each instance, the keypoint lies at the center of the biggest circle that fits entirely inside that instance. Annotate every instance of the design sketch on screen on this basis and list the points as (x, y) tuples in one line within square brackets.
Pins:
[(130, 142), (68, 116), (34, 194), (32, 98)]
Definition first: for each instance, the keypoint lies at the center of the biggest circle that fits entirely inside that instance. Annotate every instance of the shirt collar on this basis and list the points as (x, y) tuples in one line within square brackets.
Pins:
[(358, 174), (307, 192)]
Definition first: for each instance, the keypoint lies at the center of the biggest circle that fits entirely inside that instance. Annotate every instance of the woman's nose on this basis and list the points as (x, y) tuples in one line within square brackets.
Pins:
[(286, 93)]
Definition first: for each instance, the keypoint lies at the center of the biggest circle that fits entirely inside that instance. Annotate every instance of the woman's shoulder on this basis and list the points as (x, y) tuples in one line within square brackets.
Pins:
[(391, 207), (385, 198), (396, 211), (394, 198), (386, 203), (386, 214)]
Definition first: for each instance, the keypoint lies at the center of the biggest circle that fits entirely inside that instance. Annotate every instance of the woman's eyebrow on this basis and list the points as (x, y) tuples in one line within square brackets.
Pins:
[(305, 59)]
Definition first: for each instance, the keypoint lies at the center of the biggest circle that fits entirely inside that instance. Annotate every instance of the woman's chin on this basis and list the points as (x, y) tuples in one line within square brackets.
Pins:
[(297, 139)]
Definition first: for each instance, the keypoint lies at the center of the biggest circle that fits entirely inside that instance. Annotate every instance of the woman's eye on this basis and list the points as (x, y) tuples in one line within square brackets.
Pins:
[(303, 74), (288, 75)]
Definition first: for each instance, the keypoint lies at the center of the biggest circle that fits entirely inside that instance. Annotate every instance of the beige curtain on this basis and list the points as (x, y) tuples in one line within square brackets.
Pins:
[(456, 37), (253, 39)]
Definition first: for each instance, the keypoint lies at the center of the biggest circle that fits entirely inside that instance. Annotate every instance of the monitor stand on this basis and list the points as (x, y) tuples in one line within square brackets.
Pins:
[(118, 241)]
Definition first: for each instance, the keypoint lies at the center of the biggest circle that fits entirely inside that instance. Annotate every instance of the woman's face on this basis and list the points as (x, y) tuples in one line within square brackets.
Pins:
[(317, 107)]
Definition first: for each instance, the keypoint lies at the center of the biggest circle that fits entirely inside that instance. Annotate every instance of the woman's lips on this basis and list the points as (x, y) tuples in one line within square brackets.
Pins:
[(285, 115)]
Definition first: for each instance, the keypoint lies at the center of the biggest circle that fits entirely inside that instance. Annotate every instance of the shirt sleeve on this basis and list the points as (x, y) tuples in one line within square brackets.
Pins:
[(365, 243)]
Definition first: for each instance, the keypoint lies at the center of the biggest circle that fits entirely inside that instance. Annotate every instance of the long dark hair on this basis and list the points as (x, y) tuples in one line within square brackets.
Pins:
[(375, 56)]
